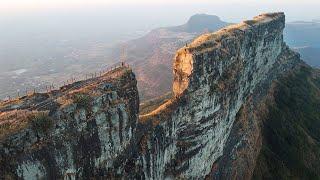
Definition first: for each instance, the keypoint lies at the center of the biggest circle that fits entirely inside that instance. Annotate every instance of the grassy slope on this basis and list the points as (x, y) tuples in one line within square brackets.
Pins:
[(291, 146), (150, 105)]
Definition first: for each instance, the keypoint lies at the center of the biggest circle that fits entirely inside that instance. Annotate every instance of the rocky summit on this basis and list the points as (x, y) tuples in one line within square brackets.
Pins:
[(235, 114)]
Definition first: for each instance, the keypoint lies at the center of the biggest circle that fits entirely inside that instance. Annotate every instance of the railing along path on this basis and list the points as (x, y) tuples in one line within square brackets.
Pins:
[(85, 81)]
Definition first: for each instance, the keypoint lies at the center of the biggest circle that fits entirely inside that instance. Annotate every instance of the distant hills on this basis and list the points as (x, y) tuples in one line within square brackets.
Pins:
[(199, 23)]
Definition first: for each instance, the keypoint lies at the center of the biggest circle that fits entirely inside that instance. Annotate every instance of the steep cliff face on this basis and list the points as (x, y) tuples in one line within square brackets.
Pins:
[(77, 131), (236, 114), (216, 77)]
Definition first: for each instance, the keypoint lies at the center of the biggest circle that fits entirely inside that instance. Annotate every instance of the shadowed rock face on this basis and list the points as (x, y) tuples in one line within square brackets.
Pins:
[(229, 87)]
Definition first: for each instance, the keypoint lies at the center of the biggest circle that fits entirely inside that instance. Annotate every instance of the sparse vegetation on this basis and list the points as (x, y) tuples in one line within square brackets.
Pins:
[(291, 148), (162, 112), (13, 121), (153, 104), (82, 100), (41, 122), (250, 22), (11, 117)]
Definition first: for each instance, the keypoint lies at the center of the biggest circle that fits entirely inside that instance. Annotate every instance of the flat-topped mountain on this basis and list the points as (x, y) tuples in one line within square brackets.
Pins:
[(244, 106), (199, 23)]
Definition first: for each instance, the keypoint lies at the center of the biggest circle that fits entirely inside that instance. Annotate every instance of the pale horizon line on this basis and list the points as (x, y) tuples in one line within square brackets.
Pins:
[(19, 6)]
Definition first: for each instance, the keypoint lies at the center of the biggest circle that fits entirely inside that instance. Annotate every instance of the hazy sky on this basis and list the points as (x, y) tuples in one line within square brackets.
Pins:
[(18, 5), (296, 9), (88, 17)]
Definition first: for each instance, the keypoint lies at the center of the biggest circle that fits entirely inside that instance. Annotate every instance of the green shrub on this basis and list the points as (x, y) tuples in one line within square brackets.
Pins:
[(82, 100), (41, 122)]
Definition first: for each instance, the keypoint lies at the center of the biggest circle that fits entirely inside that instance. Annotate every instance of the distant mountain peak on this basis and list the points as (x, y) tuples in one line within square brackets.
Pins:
[(199, 23), (203, 18)]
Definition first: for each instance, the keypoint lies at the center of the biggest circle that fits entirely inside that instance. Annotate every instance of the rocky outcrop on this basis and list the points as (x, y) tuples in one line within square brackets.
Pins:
[(216, 77), (78, 131)]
